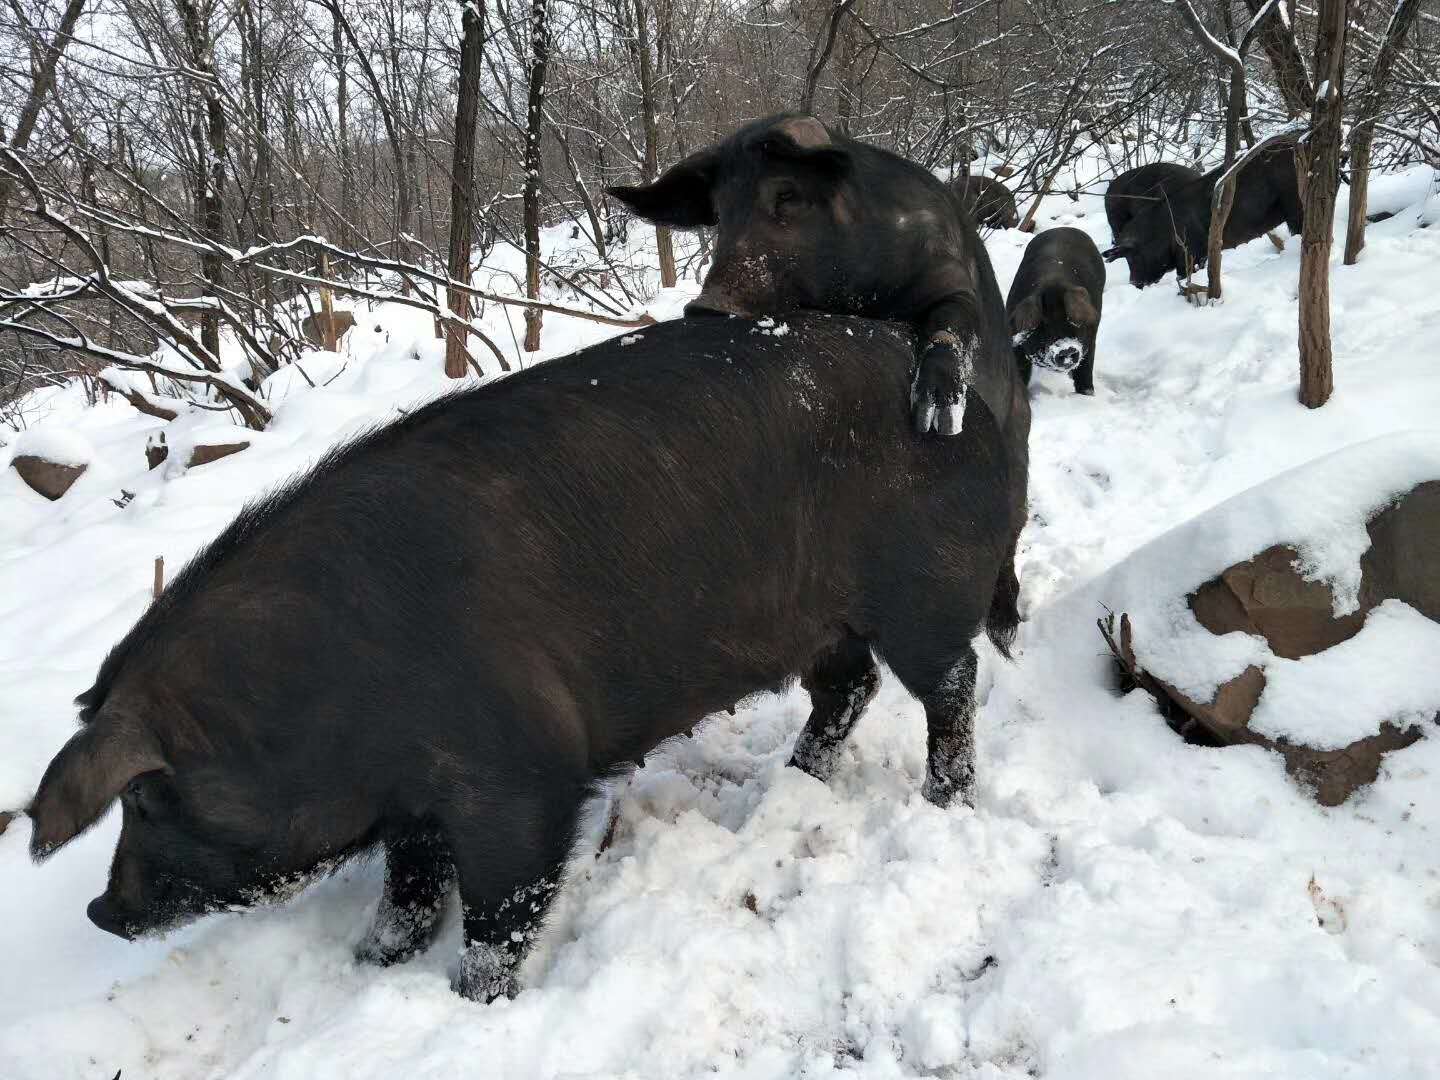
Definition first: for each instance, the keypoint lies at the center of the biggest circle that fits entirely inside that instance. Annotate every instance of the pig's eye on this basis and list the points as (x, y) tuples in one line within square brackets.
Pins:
[(139, 794), (785, 197)]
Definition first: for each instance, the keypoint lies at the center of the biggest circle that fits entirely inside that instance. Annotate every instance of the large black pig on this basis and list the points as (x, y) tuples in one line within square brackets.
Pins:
[(1054, 305), (809, 219), (439, 640), (1135, 189), (988, 201), (1175, 232)]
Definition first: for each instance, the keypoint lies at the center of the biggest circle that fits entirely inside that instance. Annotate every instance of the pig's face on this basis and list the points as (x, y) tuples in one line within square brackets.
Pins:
[(193, 838), (179, 856), (1048, 328), (778, 195), (1149, 246)]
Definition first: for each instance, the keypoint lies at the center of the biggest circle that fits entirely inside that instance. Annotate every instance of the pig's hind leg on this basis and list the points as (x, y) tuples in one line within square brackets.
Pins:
[(940, 668), (510, 854), (419, 873), (841, 684)]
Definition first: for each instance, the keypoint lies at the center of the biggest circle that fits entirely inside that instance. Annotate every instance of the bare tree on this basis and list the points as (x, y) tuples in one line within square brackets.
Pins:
[(1362, 135), (534, 163), (462, 182), (40, 85), (1319, 168)]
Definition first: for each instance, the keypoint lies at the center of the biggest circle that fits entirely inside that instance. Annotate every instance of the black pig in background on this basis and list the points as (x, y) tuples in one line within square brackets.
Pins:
[(1054, 306), (1174, 233)]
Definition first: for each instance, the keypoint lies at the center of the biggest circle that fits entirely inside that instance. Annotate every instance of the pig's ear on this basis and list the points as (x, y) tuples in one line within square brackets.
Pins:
[(1026, 315), (681, 198), (807, 140), (87, 775), (1078, 308)]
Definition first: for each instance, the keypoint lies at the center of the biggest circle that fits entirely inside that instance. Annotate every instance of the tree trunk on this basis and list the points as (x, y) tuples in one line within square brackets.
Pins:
[(462, 184), (208, 130), (534, 129), (44, 79), (1362, 135), (1224, 196), (1277, 38), (1319, 165), (393, 135), (342, 121), (664, 245)]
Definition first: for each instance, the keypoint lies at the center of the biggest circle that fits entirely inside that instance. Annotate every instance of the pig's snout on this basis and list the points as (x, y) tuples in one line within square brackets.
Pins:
[(1067, 358), (103, 915)]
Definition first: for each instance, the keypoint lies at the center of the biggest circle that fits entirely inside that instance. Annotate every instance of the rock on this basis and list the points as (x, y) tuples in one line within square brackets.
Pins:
[(1227, 715), (1404, 557), (49, 478), (314, 326), (1267, 596), (156, 449), (6, 817), (1331, 775), (205, 453)]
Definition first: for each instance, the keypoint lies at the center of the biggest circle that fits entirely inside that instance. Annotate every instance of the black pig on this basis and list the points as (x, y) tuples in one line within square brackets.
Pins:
[(1175, 232), (1054, 305), (439, 640), (988, 202), (808, 218), (1136, 189)]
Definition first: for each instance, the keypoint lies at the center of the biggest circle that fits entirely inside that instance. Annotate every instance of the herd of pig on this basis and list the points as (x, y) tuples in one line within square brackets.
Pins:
[(446, 636)]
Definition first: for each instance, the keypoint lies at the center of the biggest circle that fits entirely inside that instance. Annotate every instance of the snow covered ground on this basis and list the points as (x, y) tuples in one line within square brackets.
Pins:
[(1120, 905)]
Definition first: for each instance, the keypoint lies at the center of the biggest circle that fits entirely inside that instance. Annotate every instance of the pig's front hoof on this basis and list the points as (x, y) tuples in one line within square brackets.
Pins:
[(377, 952), (486, 972), (815, 758), (944, 792), (937, 398)]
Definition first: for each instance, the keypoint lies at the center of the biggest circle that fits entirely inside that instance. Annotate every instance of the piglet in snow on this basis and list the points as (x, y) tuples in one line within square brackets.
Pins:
[(1054, 306)]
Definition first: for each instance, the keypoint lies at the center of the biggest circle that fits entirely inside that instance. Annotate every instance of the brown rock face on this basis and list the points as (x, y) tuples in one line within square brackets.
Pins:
[(156, 450), (47, 477), (1267, 596), (203, 455), (314, 326)]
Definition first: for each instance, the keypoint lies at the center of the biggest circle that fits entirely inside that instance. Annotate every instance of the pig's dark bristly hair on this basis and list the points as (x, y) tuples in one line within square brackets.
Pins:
[(256, 517), (441, 636)]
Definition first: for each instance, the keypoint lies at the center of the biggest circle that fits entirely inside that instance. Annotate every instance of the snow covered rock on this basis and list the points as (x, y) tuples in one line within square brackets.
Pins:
[(1320, 646), (50, 461), (1270, 596), (204, 453), (157, 451)]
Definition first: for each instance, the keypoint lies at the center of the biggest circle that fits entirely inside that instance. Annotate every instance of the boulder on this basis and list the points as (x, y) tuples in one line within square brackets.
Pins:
[(50, 478), (157, 450), (1269, 597), (205, 453)]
